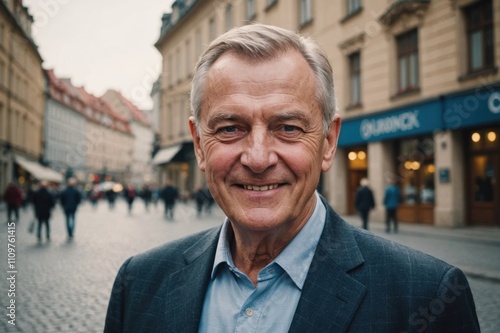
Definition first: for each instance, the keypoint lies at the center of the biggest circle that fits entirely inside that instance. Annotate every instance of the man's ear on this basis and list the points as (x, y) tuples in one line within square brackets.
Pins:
[(200, 156), (331, 140)]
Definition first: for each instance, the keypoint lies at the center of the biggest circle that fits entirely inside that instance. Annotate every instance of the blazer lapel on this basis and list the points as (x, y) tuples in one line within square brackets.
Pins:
[(185, 303), (330, 296)]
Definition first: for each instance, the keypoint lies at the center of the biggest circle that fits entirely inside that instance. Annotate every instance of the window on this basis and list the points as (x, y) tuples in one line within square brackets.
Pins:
[(270, 3), (2, 77), (198, 43), (212, 29), (188, 58), (353, 6), (305, 12), (480, 41), (251, 10), (355, 79), (170, 77), (178, 65), (1, 35), (229, 17), (407, 49)]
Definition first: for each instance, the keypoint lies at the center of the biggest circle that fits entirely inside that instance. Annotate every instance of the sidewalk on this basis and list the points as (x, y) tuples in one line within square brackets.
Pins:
[(489, 235), (468, 235)]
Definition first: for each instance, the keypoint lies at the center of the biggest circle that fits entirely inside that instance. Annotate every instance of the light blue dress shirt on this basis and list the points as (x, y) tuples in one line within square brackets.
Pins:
[(233, 304)]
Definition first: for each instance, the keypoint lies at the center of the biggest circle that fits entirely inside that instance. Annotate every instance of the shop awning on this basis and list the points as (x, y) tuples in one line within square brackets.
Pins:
[(165, 155), (39, 171)]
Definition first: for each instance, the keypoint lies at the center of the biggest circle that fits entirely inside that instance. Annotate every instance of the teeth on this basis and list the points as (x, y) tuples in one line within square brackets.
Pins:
[(260, 188)]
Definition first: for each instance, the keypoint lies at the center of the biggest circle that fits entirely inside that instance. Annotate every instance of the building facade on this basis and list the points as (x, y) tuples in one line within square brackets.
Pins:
[(65, 128), (417, 86), (21, 95), (141, 168), (109, 142)]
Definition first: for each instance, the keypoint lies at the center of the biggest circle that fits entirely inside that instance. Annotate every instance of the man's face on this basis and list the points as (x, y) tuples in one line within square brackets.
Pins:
[(261, 141)]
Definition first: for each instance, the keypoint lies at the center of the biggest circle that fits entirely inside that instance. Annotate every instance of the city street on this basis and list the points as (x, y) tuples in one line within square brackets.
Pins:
[(64, 286)]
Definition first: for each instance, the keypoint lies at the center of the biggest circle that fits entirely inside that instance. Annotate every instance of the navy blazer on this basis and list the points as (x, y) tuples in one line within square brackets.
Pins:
[(357, 282)]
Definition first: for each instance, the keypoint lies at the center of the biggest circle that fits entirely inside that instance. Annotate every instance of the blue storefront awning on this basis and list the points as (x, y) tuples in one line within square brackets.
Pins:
[(476, 107), (407, 121)]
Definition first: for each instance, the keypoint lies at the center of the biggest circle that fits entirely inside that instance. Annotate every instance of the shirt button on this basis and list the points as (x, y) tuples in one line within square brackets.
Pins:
[(249, 312)]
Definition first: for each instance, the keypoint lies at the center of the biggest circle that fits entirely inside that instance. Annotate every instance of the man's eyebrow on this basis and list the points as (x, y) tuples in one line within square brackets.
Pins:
[(222, 117), (291, 115)]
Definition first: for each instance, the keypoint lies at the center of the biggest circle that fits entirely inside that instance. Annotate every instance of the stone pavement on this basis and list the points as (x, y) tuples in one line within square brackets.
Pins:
[(64, 286)]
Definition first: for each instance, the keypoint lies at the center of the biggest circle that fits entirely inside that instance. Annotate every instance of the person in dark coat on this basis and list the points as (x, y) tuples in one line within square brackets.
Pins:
[(111, 197), (169, 195), (364, 201), (43, 202), (13, 197), (130, 197), (392, 199), (200, 199), (146, 195), (70, 199)]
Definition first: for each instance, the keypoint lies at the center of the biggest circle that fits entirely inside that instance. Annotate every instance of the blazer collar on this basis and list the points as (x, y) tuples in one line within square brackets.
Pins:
[(188, 285), (330, 296)]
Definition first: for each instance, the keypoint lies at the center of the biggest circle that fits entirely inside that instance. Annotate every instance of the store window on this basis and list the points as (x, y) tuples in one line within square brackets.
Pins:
[(417, 170), (480, 40), (484, 148)]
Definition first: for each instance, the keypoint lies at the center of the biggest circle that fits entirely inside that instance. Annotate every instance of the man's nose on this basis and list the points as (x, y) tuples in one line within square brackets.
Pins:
[(259, 153)]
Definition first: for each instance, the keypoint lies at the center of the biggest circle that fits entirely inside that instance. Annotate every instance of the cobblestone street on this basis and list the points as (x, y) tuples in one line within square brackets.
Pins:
[(64, 286)]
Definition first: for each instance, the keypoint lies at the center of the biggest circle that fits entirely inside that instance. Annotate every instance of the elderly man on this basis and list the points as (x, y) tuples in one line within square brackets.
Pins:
[(264, 128)]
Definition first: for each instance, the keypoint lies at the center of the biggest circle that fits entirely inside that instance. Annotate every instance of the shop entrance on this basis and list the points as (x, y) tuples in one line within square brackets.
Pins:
[(416, 172), (484, 167), (358, 169)]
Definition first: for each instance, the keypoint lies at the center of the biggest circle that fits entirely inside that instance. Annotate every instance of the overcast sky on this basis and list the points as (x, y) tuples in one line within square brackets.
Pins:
[(101, 44)]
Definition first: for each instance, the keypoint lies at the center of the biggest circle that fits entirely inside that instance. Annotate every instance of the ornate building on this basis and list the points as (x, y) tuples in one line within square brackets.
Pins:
[(22, 83), (417, 86), (141, 169)]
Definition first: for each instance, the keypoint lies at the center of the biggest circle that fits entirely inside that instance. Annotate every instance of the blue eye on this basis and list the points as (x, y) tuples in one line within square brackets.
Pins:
[(229, 129), (289, 128)]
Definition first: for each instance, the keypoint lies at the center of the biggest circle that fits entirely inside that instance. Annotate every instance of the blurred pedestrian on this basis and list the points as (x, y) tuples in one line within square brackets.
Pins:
[(146, 195), (93, 196), (111, 197), (392, 198), (13, 197), (169, 195), (43, 202), (70, 199), (364, 201), (209, 200), (200, 199), (130, 197)]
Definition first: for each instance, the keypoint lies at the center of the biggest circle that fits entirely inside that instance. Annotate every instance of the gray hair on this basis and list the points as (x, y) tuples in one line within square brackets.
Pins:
[(262, 42)]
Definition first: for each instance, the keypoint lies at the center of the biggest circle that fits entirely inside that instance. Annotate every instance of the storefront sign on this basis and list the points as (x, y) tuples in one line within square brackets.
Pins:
[(444, 175), (479, 107), (415, 120), (403, 122)]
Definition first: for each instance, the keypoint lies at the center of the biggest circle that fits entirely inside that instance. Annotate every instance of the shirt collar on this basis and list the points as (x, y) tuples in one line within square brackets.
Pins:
[(297, 256)]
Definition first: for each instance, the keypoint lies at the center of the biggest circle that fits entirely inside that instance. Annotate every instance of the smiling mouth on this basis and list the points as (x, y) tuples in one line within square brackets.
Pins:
[(260, 188)]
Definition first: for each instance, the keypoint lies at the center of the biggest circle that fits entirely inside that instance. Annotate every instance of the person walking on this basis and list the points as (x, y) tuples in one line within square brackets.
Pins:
[(146, 195), (364, 201), (13, 197), (392, 198), (130, 197), (200, 199), (169, 195), (43, 202), (70, 199)]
